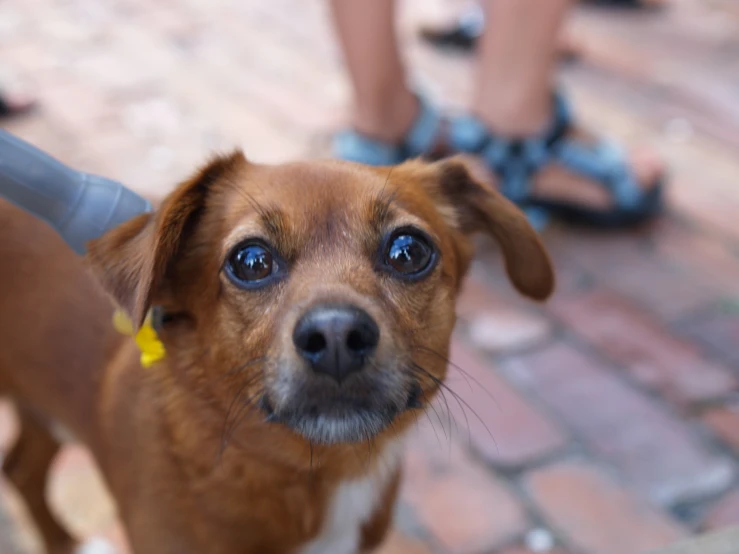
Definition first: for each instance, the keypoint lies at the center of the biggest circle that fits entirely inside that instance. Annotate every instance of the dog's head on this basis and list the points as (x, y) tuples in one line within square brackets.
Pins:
[(319, 294)]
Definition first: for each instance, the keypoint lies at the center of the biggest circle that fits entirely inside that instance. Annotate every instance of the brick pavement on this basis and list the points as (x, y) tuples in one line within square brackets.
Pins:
[(604, 422)]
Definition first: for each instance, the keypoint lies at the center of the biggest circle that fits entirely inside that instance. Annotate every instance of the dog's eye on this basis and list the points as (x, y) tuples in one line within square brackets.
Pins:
[(409, 254), (251, 263)]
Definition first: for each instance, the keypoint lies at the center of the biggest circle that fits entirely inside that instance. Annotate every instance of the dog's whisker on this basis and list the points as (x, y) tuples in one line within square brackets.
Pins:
[(448, 410), (442, 393), (461, 370), (430, 404), (240, 415), (195, 362), (226, 421), (433, 407), (229, 422), (460, 401), (231, 406), (450, 437), (431, 421), (449, 363), (245, 365)]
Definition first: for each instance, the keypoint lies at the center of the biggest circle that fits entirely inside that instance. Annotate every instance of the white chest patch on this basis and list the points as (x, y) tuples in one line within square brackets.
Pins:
[(96, 546), (353, 504)]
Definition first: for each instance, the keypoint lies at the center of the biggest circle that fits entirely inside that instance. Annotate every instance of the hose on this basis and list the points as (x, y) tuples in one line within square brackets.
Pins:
[(79, 206)]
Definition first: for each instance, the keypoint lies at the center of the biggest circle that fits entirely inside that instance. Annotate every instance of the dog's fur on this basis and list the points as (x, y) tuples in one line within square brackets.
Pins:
[(198, 450)]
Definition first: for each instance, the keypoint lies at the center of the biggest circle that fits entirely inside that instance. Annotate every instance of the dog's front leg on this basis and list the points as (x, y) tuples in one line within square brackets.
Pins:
[(27, 467)]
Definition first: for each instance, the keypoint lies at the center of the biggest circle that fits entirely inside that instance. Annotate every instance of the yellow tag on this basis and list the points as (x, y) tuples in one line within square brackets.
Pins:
[(152, 349), (122, 323)]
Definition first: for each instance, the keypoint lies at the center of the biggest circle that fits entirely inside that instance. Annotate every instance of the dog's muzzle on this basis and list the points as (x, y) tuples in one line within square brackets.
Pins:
[(336, 389)]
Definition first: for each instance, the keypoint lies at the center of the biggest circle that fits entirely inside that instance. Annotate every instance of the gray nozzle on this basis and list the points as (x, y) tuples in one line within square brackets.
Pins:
[(80, 206)]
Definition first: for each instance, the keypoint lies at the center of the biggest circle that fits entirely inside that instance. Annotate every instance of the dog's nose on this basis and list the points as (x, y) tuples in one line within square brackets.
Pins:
[(336, 339)]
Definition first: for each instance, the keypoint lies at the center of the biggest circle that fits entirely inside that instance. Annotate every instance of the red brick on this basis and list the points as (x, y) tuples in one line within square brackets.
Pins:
[(31, 56), (79, 108), (570, 277), (501, 425), (431, 447), (691, 268), (305, 108), (655, 451), (452, 496), (724, 512), (725, 423), (130, 60), (490, 290), (714, 260), (631, 337), (598, 254), (629, 264), (718, 333), (46, 136), (507, 330), (477, 298), (170, 23), (523, 550), (400, 544), (536, 541), (591, 513), (704, 206), (680, 292), (464, 507)]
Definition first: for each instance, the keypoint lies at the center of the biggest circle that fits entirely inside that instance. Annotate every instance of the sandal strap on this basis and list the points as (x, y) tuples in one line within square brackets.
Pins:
[(420, 140), (603, 162), (351, 146), (515, 161)]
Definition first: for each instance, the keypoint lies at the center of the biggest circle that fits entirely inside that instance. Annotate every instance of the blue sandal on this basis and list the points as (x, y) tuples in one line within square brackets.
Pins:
[(515, 161), (421, 140)]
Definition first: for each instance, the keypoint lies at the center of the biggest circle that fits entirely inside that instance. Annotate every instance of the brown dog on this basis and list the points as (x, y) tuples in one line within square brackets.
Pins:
[(306, 310)]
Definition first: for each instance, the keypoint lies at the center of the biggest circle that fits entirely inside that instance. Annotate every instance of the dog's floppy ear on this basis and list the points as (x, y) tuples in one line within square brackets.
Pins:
[(474, 205), (131, 259)]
